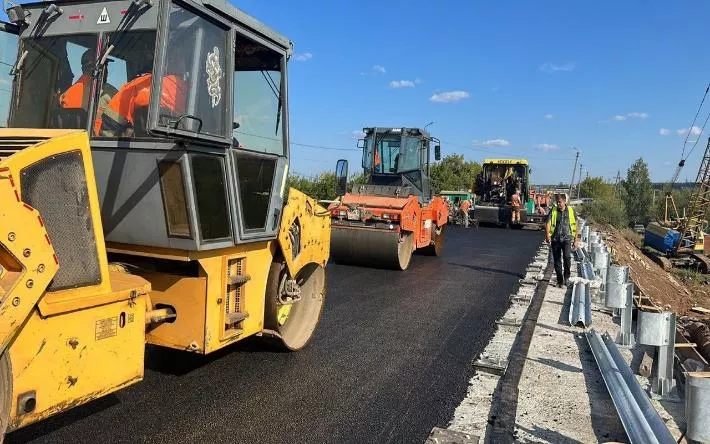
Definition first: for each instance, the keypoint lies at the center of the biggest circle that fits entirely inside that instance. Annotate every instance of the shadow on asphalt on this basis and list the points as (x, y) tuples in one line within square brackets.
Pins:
[(489, 270), (178, 363)]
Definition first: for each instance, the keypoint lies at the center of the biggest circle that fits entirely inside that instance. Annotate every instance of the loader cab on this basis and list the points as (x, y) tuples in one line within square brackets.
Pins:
[(398, 157), (185, 103)]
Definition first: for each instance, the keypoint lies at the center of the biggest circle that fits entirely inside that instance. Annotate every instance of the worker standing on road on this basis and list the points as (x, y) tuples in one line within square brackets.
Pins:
[(463, 208), (515, 204), (561, 232)]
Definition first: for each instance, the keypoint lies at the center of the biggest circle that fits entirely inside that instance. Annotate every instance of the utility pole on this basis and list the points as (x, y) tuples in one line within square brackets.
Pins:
[(574, 170), (579, 182)]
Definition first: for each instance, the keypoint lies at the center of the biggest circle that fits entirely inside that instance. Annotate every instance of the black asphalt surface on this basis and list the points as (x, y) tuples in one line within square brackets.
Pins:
[(390, 360)]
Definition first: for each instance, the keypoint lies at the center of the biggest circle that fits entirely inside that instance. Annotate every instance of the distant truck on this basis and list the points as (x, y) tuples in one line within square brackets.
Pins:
[(495, 186)]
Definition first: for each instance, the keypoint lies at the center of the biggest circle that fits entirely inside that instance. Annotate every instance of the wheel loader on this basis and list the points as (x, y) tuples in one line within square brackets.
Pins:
[(382, 222), (143, 166)]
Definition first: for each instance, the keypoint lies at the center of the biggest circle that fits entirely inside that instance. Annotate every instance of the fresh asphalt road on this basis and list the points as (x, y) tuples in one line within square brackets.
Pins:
[(390, 360)]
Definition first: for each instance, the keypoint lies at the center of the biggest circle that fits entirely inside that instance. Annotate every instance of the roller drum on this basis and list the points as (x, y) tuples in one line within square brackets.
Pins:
[(371, 248)]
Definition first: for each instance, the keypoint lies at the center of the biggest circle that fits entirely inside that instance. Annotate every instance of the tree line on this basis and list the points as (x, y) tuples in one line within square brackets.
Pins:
[(634, 200)]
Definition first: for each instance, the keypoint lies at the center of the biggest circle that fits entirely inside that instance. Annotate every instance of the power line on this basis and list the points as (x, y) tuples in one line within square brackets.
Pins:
[(690, 128), (305, 145)]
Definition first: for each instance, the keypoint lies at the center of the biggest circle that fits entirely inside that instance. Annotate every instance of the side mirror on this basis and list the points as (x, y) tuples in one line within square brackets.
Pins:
[(361, 143), (437, 152), (235, 125), (341, 177)]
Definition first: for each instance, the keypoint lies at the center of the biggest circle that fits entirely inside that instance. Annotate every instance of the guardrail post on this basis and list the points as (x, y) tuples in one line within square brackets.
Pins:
[(658, 329), (619, 296), (697, 407), (601, 264)]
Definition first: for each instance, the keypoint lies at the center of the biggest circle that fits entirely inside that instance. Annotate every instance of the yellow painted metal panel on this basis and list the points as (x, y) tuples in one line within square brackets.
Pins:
[(74, 357), (188, 296), (314, 221), (27, 258), (64, 141)]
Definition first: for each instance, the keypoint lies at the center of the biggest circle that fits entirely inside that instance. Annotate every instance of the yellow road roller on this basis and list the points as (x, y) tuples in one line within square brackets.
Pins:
[(143, 165)]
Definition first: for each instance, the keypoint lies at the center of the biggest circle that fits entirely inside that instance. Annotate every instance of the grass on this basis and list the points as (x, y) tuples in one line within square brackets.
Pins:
[(689, 276)]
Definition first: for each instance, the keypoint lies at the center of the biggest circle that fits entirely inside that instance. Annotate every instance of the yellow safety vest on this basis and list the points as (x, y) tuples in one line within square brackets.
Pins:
[(572, 221)]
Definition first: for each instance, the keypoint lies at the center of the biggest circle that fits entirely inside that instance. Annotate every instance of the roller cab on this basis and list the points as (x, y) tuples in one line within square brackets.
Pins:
[(143, 164), (382, 222)]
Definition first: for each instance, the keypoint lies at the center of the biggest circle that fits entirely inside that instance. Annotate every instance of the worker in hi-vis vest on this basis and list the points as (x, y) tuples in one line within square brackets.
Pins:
[(561, 234)]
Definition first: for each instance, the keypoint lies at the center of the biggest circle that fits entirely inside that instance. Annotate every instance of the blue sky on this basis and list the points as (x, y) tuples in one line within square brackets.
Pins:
[(618, 80)]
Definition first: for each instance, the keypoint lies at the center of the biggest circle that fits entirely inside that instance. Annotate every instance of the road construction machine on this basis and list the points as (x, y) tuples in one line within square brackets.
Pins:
[(495, 186), (682, 245), (381, 222), (142, 197)]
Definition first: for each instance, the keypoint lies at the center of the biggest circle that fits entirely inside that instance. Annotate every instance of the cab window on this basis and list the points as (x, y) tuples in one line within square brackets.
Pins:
[(8, 54), (54, 82), (258, 98), (122, 106), (193, 94)]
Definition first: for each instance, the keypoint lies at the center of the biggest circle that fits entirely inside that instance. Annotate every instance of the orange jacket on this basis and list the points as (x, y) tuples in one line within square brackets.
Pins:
[(77, 96), (136, 94)]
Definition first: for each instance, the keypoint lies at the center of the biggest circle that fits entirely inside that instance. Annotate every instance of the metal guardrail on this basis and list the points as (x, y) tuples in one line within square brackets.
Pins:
[(637, 414), (580, 309)]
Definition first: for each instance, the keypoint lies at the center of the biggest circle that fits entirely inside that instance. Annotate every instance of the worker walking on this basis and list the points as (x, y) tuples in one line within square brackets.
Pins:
[(561, 232)]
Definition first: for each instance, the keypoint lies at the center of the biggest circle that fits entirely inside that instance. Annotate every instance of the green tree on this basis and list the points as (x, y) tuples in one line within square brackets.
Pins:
[(321, 187), (638, 193), (595, 188), (453, 173)]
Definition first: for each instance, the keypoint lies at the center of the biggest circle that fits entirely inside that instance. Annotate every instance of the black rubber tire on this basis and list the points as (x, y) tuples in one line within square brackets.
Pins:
[(5, 393), (305, 314)]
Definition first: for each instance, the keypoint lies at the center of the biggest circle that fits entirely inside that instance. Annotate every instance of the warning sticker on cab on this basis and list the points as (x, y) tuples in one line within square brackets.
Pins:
[(106, 328)]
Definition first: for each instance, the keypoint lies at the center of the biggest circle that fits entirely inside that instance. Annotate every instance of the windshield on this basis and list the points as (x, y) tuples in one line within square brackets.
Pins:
[(51, 67), (392, 154), (258, 100)]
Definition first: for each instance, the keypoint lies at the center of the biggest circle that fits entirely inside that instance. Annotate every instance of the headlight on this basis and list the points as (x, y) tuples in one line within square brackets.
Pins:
[(385, 216)]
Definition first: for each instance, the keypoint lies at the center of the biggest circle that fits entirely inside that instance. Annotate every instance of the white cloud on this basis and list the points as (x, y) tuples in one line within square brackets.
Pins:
[(379, 69), (622, 117), (549, 116), (450, 96), (396, 84), (358, 134), (418, 80), (547, 147), (554, 67), (303, 57), (694, 131), (491, 142)]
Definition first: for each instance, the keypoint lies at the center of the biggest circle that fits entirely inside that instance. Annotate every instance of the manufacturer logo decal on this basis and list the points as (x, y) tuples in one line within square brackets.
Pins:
[(214, 74)]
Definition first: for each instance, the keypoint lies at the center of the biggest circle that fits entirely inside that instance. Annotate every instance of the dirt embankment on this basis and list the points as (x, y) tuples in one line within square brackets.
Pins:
[(665, 290)]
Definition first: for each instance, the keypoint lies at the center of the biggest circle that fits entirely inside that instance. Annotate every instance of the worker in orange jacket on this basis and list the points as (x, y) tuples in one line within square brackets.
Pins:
[(119, 119), (77, 96)]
